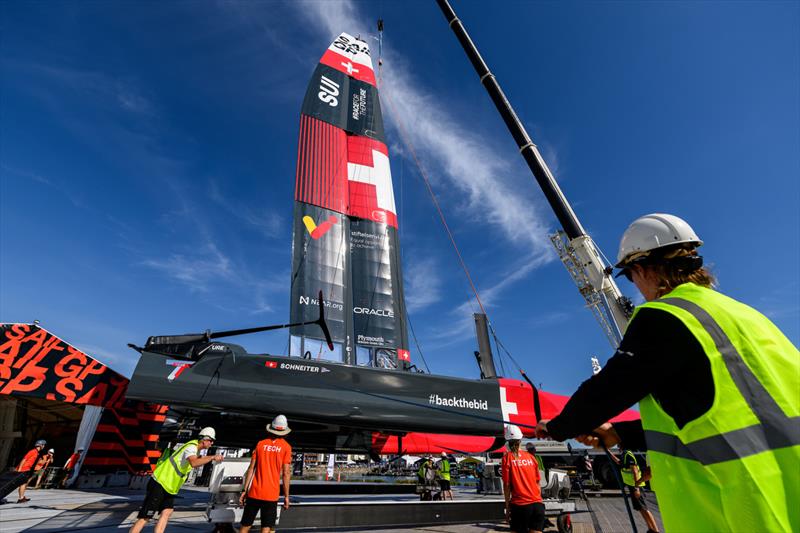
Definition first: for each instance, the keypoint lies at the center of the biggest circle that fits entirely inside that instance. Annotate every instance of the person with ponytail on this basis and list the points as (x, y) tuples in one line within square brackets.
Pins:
[(523, 496)]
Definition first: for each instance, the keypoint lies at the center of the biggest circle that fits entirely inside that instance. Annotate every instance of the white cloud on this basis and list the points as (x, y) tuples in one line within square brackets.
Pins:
[(268, 223), (197, 270), (422, 284), (462, 321)]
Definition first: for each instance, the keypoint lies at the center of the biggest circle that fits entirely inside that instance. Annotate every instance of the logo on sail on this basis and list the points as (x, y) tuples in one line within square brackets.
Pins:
[(318, 231)]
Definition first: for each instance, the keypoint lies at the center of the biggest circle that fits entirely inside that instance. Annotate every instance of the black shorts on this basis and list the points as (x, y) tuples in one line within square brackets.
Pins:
[(526, 517), (444, 484), (156, 500), (269, 512), (640, 503)]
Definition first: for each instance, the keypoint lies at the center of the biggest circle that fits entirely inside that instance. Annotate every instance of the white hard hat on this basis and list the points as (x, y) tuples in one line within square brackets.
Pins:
[(208, 433), (51, 450), (654, 231), (512, 432), (444, 454), (279, 426)]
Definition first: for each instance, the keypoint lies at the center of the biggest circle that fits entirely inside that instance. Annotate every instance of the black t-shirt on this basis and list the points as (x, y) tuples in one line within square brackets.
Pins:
[(657, 356)]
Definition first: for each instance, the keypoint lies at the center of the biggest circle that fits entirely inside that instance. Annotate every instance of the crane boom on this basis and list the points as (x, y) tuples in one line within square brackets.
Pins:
[(575, 247)]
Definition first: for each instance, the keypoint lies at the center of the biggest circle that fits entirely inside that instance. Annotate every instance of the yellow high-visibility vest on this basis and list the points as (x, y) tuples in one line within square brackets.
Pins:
[(735, 468)]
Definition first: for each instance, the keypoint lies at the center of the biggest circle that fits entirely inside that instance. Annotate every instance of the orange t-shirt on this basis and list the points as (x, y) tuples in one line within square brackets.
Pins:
[(522, 473), (270, 456), (29, 460)]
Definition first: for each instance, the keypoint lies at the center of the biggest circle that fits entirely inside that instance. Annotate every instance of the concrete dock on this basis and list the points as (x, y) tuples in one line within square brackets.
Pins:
[(114, 510)]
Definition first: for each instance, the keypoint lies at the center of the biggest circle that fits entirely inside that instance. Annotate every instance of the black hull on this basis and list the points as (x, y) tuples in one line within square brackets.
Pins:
[(228, 380)]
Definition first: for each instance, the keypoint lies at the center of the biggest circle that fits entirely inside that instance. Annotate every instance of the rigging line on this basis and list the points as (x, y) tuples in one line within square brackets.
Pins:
[(511, 357), (407, 142), (419, 349), (499, 355)]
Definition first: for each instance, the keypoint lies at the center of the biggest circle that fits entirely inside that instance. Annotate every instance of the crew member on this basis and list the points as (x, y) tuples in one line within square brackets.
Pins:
[(524, 507), (27, 465), (718, 386), (271, 457), (170, 475), (444, 477), (70, 466), (632, 477), (531, 449), (425, 477), (42, 465)]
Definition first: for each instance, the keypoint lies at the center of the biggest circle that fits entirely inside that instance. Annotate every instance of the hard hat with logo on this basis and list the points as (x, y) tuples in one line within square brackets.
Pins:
[(279, 426), (207, 433), (651, 232), (512, 432)]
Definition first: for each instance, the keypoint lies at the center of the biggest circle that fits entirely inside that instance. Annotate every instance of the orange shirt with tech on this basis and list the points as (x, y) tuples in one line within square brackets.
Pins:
[(522, 473), (271, 455)]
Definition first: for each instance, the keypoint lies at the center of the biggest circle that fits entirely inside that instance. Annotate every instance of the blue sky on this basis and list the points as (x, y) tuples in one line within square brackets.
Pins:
[(147, 155)]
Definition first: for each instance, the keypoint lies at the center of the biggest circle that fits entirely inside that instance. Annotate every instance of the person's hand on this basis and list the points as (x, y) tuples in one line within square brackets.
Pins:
[(242, 498), (606, 432), (219, 457), (636, 492), (541, 429), (285, 502)]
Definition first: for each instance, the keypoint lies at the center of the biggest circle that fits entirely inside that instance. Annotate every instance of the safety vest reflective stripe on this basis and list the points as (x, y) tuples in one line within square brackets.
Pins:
[(754, 393), (727, 446), (776, 429), (175, 466)]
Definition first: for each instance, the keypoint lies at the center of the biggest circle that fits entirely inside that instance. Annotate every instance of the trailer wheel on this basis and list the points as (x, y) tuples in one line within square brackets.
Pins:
[(564, 523)]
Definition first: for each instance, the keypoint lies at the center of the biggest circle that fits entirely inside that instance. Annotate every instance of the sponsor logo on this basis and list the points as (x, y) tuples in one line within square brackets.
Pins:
[(299, 367), (454, 401), (217, 347), (318, 231), (367, 241), (180, 366), (388, 313), (359, 104), (328, 91), (271, 448), (403, 355), (522, 462), (350, 47), (307, 300), (379, 216), (375, 341)]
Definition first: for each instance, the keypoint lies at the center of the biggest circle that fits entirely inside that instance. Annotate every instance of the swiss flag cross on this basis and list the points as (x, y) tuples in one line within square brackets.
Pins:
[(403, 355), (271, 364)]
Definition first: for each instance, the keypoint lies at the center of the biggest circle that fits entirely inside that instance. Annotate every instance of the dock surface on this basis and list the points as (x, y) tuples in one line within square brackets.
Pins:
[(114, 510)]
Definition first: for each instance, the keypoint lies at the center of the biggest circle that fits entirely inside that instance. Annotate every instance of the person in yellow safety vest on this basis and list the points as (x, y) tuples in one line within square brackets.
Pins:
[(718, 386), (169, 476), (444, 477), (632, 477), (425, 478)]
